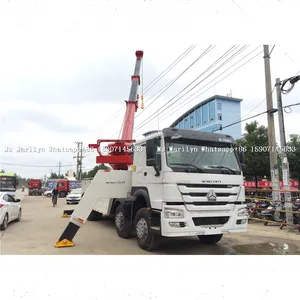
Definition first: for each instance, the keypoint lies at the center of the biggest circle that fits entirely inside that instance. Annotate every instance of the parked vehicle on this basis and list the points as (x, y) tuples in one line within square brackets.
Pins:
[(35, 187), (74, 196), (8, 183), (10, 210), (273, 213), (256, 207), (48, 193)]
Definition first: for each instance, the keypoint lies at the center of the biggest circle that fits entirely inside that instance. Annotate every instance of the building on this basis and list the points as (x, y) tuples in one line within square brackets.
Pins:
[(213, 113)]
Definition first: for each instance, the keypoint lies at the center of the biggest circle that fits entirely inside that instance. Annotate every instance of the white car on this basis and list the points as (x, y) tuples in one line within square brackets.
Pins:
[(48, 193), (10, 210), (74, 196)]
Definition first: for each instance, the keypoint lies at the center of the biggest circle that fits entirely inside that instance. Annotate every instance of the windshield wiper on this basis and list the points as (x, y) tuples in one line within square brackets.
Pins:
[(223, 167), (190, 165)]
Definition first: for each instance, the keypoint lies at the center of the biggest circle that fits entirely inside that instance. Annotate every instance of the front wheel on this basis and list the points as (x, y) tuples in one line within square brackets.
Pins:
[(4, 224), (145, 238), (210, 239)]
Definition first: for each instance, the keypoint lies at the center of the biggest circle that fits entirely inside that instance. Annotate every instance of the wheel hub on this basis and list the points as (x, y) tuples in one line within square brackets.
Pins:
[(142, 229), (119, 220)]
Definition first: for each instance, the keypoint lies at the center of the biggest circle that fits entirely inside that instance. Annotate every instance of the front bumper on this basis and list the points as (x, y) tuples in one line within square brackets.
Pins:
[(203, 221), (72, 200)]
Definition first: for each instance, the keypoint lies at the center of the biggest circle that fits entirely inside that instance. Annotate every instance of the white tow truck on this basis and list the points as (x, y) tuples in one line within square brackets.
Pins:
[(172, 183)]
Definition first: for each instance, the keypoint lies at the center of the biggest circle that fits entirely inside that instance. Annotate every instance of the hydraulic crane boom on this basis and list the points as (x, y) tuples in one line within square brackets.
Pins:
[(120, 151)]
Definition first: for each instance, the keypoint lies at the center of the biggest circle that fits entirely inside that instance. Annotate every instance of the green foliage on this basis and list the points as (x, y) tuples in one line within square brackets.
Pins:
[(294, 156), (55, 176), (92, 173), (258, 163)]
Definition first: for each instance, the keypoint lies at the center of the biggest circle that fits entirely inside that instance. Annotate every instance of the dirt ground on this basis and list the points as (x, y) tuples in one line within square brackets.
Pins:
[(42, 225)]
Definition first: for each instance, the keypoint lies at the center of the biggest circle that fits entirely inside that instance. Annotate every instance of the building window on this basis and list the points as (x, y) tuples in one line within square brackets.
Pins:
[(205, 114), (181, 124), (198, 117), (219, 106), (212, 111), (186, 123), (220, 117), (192, 119)]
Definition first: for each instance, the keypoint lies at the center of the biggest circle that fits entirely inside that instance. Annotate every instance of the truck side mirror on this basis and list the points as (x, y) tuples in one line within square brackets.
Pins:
[(241, 156)]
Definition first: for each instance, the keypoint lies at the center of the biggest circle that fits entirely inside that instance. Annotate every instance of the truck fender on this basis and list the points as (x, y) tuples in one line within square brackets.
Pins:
[(141, 192)]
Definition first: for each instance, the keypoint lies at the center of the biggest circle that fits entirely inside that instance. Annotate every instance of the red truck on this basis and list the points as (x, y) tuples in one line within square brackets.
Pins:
[(63, 187), (35, 187)]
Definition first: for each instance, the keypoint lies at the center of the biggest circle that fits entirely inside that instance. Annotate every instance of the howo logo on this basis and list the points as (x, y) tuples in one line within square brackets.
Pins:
[(211, 196), (211, 181)]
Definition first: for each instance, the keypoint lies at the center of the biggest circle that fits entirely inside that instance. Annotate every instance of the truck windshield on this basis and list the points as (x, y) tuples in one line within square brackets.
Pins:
[(7, 184), (201, 157)]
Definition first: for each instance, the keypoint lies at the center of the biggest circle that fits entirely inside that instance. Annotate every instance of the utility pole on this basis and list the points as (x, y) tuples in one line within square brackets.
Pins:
[(59, 167), (285, 164), (77, 158), (80, 160), (271, 128)]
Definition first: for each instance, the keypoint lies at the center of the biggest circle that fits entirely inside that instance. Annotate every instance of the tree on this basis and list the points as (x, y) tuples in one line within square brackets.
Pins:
[(94, 171), (257, 159), (55, 176), (294, 156)]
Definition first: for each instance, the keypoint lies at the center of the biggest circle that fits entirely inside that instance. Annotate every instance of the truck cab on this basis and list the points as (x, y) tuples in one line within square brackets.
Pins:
[(35, 187), (192, 182), (63, 187)]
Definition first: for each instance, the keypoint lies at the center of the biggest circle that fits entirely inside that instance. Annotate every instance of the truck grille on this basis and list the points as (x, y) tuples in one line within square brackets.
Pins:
[(197, 194), (210, 221)]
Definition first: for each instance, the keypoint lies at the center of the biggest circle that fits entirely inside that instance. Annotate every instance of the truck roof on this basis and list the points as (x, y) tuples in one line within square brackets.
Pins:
[(190, 134)]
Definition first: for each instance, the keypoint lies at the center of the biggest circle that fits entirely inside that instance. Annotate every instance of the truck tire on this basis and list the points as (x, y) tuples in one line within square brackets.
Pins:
[(94, 216), (210, 239), (145, 238), (62, 194), (122, 222)]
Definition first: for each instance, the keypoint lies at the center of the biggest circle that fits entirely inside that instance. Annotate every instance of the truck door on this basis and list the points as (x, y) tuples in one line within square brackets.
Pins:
[(152, 175)]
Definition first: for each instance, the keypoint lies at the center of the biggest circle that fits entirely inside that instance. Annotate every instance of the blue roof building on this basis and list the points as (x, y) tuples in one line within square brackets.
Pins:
[(212, 114)]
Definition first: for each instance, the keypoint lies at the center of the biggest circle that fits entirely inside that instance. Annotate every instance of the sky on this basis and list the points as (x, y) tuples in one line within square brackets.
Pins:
[(66, 66)]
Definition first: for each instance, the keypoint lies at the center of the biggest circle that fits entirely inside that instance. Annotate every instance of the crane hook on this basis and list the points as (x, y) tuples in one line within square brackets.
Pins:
[(142, 98)]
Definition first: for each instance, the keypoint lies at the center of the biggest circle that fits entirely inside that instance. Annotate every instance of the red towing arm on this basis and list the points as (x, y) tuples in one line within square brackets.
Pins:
[(120, 151)]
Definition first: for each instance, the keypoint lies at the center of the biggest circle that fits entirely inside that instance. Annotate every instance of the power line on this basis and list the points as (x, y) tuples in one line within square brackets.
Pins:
[(159, 77), (153, 82), (220, 58), (257, 115), (176, 78), (217, 77), (35, 166), (220, 80)]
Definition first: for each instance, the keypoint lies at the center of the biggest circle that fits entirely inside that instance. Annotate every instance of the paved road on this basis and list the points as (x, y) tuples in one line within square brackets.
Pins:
[(42, 225)]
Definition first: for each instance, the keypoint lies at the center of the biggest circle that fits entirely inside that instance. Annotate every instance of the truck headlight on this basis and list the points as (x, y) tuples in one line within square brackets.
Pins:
[(173, 213), (242, 212)]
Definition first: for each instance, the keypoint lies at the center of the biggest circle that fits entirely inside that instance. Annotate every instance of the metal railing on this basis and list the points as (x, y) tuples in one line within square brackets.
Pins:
[(260, 198)]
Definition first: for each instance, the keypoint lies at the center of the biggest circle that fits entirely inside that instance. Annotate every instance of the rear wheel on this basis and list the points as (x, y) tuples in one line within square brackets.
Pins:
[(210, 239), (146, 239), (122, 222), (49, 195), (4, 224)]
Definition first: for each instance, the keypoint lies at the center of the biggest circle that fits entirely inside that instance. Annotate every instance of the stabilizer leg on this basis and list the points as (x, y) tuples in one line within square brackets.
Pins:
[(67, 213), (67, 236), (102, 188)]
